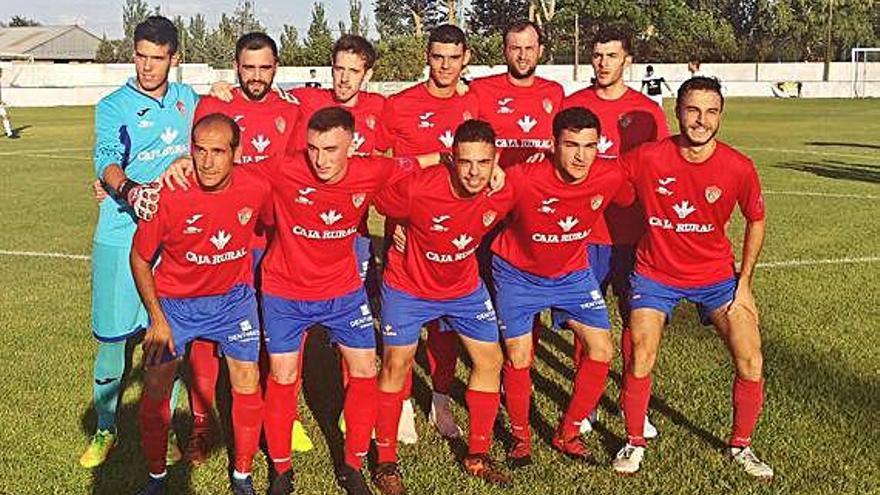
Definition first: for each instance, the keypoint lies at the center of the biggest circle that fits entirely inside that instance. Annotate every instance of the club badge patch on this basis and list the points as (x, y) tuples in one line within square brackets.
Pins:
[(548, 105), (713, 193), (280, 124), (596, 201), (244, 215), (358, 199), (489, 217)]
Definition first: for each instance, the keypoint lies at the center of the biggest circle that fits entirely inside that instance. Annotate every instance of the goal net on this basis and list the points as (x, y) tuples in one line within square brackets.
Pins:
[(865, 68)]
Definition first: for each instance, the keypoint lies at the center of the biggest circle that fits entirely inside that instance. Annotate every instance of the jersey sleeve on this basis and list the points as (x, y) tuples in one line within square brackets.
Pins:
[(750, 198), (397, 168), (148, 236), (393, 200), (385, 138), (112, 138), (626, 192), (660, 120)]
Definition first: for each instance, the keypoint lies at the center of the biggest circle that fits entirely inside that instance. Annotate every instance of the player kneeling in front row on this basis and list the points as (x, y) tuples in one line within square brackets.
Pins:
[(447, 211), (688, 185), (539, 263), (203, 288)]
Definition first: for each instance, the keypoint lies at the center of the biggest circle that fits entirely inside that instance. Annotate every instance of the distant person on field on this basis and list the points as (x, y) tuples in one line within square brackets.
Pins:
[(7, 126), (651, 85), (313, 79), (694, 68)]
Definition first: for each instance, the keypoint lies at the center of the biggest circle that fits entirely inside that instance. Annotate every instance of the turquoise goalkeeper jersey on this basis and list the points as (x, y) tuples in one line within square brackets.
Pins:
[(143, 135)]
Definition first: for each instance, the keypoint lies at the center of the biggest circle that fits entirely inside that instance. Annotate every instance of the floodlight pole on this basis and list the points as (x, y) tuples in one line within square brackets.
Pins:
[(577, 46), (826, 73)]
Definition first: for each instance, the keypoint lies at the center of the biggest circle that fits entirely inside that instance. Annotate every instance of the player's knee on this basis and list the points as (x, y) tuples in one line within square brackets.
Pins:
[(285, 375), (750, 366), (395, 366), (520, 356), (601, 351), (490, 361), (365, 368), (643, 361), (245, 379)]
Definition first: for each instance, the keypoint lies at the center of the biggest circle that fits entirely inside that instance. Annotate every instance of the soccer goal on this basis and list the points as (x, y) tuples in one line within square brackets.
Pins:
[(865, 67)]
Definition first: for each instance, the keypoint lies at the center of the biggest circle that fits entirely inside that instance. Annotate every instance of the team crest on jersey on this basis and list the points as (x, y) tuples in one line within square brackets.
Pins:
[(596, 201), (548, 105), (489, 217), (625, 120), (181, 107), (245, 214), (713, 193), (280, 124), (358, 199), (371, 122)]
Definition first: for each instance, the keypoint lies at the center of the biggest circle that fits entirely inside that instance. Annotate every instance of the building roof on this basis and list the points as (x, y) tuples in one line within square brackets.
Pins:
[(26, 40)]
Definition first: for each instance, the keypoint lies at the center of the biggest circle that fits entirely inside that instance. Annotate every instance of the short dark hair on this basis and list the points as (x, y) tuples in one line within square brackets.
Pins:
[(575, 119), (255, 41), (609, 34), (699, 83), (649, 68), (474, 131), (219, 118), (329, 118), (358, 45), (159, 30), (520, 26), (448, 33)]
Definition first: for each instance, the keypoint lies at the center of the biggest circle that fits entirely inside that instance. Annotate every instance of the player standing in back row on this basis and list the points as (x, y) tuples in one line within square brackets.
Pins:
[(689, 185), (628, 119)]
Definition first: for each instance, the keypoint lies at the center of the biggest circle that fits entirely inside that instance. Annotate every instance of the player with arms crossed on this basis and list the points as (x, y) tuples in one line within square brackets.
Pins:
[(203, 289), (418, 120), (447, 211), (266, 122), (139, 130), (689, 185), (539, 264), (628, 119)]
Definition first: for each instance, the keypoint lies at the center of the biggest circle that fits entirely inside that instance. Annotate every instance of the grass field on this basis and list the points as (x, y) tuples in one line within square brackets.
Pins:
[(820, 166)]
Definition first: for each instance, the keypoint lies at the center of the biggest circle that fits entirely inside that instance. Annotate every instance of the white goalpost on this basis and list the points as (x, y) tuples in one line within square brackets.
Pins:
[(861, 71)]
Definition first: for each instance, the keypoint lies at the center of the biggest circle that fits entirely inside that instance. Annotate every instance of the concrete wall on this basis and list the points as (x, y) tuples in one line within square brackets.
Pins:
[(84, 84)]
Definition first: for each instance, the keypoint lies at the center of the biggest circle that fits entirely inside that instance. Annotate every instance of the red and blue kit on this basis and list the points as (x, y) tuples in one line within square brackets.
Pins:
[(366, 112), (438, 265), (522, 117), (626, 122), (205, 240), (540, 258), (416, 123)]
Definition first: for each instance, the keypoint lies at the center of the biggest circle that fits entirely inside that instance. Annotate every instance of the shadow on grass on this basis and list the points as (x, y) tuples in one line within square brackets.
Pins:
[(843, 145), (836, 169)]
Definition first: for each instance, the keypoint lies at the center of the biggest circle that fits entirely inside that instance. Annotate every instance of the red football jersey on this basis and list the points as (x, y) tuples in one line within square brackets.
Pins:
[(312, 254), (687, 207), (626, 122), (266, 126), (416, 123), (443, 233), (522, 117), (367, 112), (546, 232), (205, 237)]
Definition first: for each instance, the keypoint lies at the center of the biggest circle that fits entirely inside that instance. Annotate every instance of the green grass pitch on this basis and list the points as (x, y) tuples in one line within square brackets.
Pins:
[(819, 162)]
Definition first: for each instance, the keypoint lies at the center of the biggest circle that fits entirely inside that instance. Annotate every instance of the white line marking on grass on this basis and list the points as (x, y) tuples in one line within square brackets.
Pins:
[(41, 150), (828, 261), (811, 152), (38, 254), (821, 194), (52, 157)]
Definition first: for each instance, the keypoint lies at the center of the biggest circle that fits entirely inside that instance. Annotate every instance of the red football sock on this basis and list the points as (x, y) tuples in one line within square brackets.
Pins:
[(360, 409), (247, 421), (280, 412), (635, 396), (517, 399), (155, 416), (204, 366), (589, 383), (390, 405), (748, 399), (482, 408), (442, 357), (626, 349)]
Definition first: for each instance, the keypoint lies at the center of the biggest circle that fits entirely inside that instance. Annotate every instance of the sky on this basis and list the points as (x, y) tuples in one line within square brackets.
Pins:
[(105, 16)]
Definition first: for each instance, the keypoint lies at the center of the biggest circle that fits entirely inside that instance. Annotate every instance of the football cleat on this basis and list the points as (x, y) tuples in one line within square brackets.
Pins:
[(299, 439), (156, 486), (352, 481), (441, 417), (387, 478), (481, 466), (649, 431), (745, 457), (243, 486), (573, 447), (198, 446), (282, 484), (521, 453), (628, 459), (99, 447), (406, 428)]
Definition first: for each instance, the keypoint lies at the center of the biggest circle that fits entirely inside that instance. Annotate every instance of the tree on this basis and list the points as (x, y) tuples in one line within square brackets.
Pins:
[(133, 13), (22, 21), (492, 16), (290, 52), (392, 18), (319, 43), (107, 51), (197, 39), (401, 58), (359, 24)]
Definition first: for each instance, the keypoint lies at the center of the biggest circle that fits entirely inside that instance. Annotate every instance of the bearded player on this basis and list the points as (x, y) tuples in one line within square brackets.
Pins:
[(203, 288), (266, 123), (628, 119), (689, 185), (139, 130), (418, 120), (447, 211)]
